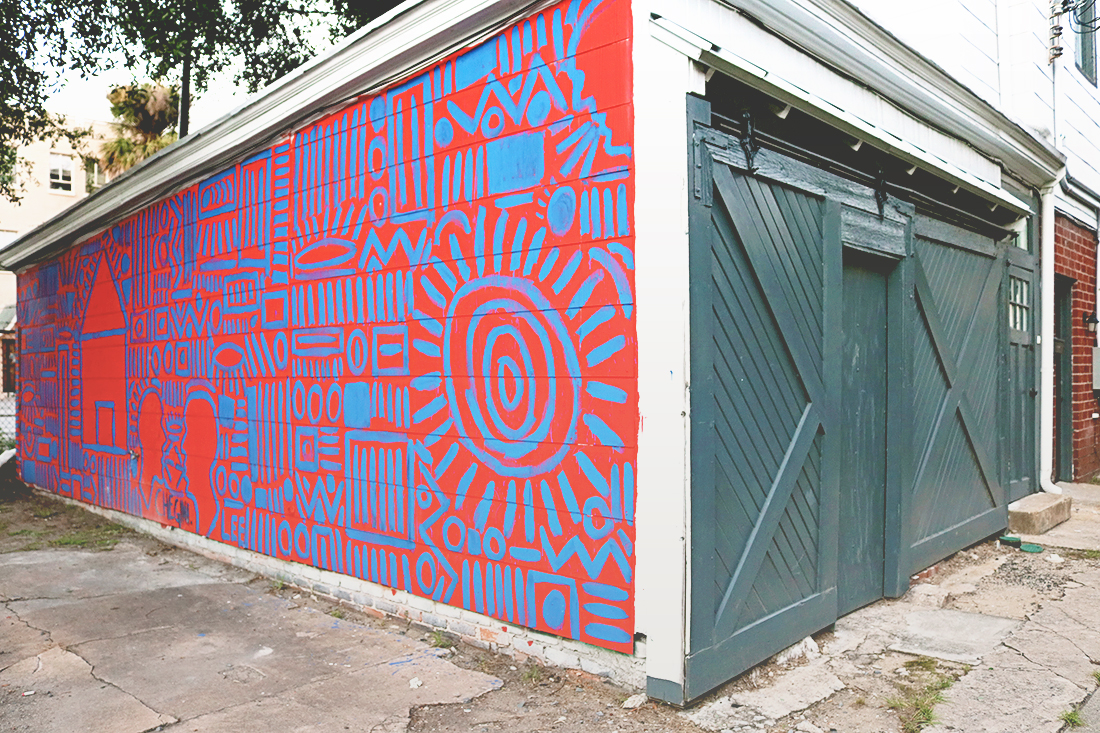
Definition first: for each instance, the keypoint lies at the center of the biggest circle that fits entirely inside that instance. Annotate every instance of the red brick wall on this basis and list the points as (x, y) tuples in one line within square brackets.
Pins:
[(1075, 256)]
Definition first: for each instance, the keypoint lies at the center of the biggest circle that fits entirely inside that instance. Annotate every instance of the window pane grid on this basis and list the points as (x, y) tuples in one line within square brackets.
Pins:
[(61, 172), (1019, 304)]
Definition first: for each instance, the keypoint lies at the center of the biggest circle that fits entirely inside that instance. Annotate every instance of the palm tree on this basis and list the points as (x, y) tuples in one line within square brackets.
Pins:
[(145, 116)]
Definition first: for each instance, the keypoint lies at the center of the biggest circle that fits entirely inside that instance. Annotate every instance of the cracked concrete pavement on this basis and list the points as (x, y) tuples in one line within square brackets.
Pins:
[(128, 640), (1014, 638), (123, 641)]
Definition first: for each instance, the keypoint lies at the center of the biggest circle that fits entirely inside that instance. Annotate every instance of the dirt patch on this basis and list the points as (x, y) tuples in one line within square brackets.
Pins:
[(536, 698), (1021, 582), (533, 698), (34, 521)]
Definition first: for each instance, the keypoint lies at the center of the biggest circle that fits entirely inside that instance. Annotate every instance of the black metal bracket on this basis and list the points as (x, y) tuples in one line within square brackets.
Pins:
[(749, 144), (881, 196)]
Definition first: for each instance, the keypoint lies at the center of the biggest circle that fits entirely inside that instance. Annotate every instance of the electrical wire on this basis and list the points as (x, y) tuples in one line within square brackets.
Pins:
[(1082, 16)]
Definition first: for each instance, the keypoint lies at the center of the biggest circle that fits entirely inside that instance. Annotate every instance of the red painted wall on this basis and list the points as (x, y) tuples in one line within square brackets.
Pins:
[(399, 345), (1075, 256)]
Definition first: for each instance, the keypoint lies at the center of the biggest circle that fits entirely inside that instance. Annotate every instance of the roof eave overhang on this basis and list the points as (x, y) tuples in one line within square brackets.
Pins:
[(398, 43), (838, 35)]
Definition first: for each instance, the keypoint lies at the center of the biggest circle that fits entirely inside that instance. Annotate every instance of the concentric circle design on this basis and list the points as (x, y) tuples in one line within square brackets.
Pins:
[(512, 376)]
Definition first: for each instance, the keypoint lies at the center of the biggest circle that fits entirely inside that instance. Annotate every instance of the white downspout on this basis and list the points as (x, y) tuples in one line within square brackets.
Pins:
[(1046, 343)]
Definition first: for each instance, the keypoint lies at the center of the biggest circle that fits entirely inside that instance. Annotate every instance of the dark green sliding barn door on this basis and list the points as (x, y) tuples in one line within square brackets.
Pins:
[(862, 398), (959, 342), (763, 496)]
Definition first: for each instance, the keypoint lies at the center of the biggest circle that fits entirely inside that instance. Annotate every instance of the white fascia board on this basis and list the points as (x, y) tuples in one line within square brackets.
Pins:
[(398, 44), (729, 63), (841, 36), (1073, 207)]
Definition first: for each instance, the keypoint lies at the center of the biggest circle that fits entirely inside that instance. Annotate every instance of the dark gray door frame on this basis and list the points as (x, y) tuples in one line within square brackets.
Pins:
[(899, 284), (1063, 395)]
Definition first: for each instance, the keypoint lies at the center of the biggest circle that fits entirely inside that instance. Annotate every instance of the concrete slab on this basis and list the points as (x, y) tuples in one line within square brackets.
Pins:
[(955, 636), (1070, 623), (1082, 530), (793, 690), (869, 630), (1082, 494), (1055, 652), (136, 639), (225, 645), (1090, 714), (375, 699), (18, 640), (1038, 513), (67, 697), (1006, 694), (81, 574), (1079, 532)]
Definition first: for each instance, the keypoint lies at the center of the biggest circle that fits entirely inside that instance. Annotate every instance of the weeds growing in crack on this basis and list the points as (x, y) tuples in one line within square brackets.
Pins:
[(915, 703), (1072, 719), (441, 640), (923, 664)]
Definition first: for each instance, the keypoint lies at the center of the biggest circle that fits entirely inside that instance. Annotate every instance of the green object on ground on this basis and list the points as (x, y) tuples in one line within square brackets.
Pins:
[(1030, 547), (1009, 541)]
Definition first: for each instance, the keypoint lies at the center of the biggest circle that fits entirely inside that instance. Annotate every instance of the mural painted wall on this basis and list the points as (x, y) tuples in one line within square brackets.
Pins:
[(399, 345)]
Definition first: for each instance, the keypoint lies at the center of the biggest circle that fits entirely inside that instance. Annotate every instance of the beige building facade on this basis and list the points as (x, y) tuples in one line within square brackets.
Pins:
[(52, 176)]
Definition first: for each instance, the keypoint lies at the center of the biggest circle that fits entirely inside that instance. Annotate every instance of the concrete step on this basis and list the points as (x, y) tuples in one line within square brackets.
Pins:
[(1037, 513)]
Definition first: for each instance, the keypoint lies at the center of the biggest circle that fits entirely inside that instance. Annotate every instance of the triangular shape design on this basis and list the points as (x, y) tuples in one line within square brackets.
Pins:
[(104, 311)]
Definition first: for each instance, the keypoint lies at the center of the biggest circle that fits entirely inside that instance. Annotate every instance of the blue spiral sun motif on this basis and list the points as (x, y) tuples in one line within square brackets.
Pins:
[(512, 376)]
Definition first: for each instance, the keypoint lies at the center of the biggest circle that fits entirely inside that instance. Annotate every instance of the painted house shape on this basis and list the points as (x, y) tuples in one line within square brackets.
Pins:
[(103, 346)]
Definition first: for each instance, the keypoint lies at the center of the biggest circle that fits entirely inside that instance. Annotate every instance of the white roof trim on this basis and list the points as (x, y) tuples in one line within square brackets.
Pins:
[(841, 36), (399, 43), (700, 49)]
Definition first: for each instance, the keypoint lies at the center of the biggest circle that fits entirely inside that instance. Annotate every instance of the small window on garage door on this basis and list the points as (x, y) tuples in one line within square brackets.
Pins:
[(1019, 304)]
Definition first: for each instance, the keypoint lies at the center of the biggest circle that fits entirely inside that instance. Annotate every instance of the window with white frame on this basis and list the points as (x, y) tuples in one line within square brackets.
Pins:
[(61, 172)]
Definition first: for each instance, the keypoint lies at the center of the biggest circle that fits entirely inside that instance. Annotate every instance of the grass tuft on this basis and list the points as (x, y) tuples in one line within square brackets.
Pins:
[(441, 640), (1072, 719), (337, 613), (924, 664), (103, 537), (533, 673), (915, 704)]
